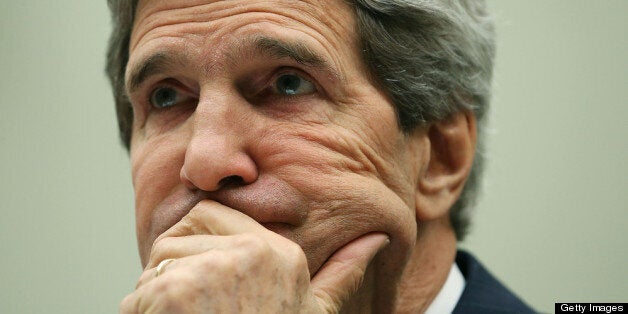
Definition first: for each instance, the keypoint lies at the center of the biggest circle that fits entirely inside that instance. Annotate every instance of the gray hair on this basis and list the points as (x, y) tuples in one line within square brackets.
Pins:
[(433, 58)]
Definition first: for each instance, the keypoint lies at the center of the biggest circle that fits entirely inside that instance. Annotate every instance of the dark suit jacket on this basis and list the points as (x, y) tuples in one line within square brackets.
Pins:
[(483, 293)]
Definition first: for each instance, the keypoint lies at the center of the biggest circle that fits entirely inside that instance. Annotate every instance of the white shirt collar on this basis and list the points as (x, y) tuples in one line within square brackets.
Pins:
[(448, 297)]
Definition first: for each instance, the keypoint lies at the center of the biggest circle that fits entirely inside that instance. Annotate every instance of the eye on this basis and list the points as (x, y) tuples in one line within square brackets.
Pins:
[(164, 97), (292, 84)]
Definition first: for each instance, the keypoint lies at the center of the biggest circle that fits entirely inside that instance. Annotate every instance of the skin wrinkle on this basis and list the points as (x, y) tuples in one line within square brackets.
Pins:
[(159, 187), (153, 64), (336, 27), (279, 50), (282, 22), (354, 165), (337, 156), (316, 133), (367, 154), (364, 155), (139, 96), (133, 76), (341, 153), (351, 155), (170, 124)]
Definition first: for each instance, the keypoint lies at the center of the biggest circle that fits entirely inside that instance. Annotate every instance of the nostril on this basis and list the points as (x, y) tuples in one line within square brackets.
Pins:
[(231, 181)]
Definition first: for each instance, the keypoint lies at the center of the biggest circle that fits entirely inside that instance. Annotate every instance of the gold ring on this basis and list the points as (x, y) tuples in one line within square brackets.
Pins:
[(162, 265)]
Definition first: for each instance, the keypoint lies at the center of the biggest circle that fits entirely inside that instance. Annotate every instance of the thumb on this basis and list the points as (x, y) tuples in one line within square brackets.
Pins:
[(342, 274)]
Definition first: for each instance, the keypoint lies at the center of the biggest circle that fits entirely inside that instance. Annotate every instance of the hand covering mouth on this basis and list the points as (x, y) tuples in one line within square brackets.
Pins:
[(272, 203)]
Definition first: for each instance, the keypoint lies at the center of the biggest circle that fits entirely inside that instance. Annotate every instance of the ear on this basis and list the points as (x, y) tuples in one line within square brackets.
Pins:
[(452, 148)]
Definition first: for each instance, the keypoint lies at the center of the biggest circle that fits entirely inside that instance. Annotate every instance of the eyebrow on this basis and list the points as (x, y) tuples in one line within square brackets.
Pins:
[(154, 64), (296, 51), (271, 47)]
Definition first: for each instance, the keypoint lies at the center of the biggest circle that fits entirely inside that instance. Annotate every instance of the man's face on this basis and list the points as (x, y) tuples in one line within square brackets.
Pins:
[(267, 108)]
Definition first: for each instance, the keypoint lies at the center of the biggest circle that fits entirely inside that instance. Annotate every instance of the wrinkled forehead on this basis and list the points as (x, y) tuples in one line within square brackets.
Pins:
[(336, 15), (324, 25), (319, 8), (323, 10)]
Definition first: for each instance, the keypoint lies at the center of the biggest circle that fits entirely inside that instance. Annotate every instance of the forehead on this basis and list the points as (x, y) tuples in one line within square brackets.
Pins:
[(335, 15), (214, 34)]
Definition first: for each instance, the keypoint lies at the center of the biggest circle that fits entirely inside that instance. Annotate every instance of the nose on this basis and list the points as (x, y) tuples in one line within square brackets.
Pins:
[(216, 154)]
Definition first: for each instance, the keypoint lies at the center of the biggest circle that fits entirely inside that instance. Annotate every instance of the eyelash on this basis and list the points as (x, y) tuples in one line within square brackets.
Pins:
[(264, 92), (267, 86), (166, 83)]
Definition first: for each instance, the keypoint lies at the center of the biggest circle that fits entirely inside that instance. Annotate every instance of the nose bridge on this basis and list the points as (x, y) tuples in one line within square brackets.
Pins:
[(217, 151)]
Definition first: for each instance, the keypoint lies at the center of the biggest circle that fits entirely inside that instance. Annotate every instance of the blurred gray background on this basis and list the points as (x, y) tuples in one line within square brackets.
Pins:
[(552, 222)]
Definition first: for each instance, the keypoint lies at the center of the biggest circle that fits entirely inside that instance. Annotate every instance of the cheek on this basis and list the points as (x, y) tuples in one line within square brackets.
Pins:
[(345, 207), (155, 164), (352, 187), (374, 157)]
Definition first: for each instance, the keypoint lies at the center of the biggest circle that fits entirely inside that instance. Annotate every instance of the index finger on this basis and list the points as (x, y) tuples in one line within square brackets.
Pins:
[(209, 217)]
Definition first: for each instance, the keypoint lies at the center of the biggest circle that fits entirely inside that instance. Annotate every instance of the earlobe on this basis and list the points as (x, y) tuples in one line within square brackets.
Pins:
[(452, 149)]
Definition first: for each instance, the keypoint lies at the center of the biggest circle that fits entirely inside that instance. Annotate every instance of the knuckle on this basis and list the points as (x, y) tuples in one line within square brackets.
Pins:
[(144, 278), (219, 263), (253, 244), (199, 220), (159, 251), (195, 216), (295, 251), (174, 290), (126, 305), (296, 256)]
